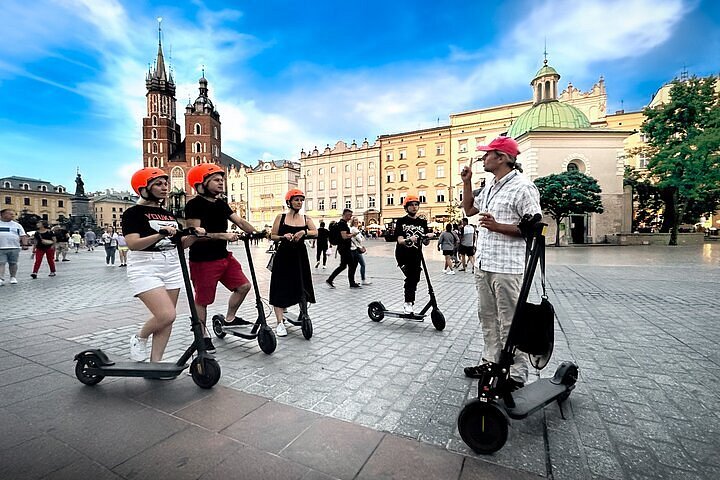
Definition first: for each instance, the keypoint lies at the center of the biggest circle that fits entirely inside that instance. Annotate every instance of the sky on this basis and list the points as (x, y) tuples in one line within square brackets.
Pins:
[(291, 75)]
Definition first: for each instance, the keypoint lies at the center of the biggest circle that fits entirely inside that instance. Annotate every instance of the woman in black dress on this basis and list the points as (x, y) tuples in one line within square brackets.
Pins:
[(291, 278)]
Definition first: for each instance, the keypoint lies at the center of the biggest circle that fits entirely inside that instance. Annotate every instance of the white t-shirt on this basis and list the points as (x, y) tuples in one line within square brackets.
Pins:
[(10, 233)]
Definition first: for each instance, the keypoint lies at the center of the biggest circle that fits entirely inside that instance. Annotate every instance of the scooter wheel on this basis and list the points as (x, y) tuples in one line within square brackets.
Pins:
[(205, 373), (483, 426), (266, 340), (218, 326), (81, 370), (438, 319), (376, 311), (307, 327)]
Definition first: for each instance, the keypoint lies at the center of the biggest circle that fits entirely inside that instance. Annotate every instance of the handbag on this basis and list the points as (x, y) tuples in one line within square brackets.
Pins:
[(535, 332)]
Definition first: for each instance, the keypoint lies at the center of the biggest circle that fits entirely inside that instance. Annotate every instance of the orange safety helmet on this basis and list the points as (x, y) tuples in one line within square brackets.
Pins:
[(143, 177), (410, 198), (199, 173), (294, 192)]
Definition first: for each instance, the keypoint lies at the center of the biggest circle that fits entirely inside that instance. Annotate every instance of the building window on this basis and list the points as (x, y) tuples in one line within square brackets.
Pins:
[(154, 134), (371, 201), (389, 156), (321, 185), (7, 185), (421, 173), (8, 200), (359, 167), (422, 196), (371, 181), (440, 196), (576, 166), (462, 146), (348, 202), (390, 177), (440, 171), (572, 167), (321, 204), (333, 184), (348, 182), (309, 187), (42, 188), (321, 171), (333, 169), (371, 165), (403, 154), (61, 204), (643, 161), (440, 149), (421, 152), (154, 120), (390, 199), (215, 132), (403, 175), (43, 202), (25, 186), (333, 203), (347, 167), (358, 202), (198, 129), (26, 201), (401, 200), (358, 182)]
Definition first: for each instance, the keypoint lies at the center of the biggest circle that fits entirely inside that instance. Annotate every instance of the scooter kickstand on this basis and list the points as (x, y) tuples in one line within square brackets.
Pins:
[(562, 414)]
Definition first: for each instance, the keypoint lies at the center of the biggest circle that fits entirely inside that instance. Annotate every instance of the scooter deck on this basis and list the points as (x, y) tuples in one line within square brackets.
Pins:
[(407, 316), (534, 397), (292, 318), (138, 369)]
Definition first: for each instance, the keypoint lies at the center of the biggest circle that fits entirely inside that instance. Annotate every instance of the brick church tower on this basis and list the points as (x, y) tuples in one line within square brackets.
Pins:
[(202, 129)]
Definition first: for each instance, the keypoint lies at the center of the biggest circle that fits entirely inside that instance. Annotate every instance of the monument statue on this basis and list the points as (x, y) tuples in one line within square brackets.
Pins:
[(79, 186)]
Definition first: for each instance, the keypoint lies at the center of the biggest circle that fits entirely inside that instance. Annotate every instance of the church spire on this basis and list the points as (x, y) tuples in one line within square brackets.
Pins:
[(160, 63)]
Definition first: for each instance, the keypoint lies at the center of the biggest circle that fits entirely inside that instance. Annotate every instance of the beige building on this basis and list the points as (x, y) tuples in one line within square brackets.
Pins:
[(34, 196), (108, 208), (342, 177), (238, 189), (267, 183)]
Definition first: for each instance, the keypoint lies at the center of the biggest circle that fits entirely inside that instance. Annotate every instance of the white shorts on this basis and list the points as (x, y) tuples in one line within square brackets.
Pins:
[(149, 270)]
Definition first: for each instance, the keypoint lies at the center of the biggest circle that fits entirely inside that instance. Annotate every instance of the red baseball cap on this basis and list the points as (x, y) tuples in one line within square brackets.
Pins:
[(501, 144)]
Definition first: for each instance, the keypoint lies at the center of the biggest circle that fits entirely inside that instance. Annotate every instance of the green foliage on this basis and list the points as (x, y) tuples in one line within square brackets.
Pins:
[(683, 138), (563, 194)]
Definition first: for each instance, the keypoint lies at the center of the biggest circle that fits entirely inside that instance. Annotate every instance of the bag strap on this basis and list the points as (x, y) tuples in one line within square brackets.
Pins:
[(541, 238)]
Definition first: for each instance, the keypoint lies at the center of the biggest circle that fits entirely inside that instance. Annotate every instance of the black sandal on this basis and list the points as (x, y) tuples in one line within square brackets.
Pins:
[(474, 372)]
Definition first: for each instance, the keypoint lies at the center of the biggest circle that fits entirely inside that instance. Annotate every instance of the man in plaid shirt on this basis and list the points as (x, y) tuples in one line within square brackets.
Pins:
[(500, 255)]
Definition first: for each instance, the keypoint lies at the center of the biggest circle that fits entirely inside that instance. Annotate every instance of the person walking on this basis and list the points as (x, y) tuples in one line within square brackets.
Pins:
[(210, 261), (12, 239), (446, 244), (408, 232), (291, 279), (467, 245), (76, 240), (500, 257), (322, 245), (44, 247), (358, 249), (346, 258), (153, 269), (62, 240), (90, 239), (122, 249), (110, 242)]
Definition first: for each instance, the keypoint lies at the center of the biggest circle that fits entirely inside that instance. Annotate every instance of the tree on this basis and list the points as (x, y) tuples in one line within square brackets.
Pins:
[(28, 220), (563, 194), (683, 141), (647, 197)]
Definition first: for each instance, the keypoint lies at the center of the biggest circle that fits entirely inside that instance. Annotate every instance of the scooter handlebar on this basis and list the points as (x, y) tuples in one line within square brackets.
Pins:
[(180, 233)]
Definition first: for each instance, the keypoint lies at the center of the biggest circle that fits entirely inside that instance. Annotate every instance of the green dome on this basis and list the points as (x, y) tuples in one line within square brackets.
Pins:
[(546, 70), (551, 114)]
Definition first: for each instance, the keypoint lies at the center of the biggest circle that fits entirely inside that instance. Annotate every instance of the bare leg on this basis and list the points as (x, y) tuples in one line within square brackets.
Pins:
[(279, 311), (236, 299), (161, 304)]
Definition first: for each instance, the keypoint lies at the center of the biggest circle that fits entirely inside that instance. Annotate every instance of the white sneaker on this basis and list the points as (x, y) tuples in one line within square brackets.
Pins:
[(324, 267), (13, 281), (366, 282), (408, 308), (2, 282), (280, 330), (138, 349), (450, 272)]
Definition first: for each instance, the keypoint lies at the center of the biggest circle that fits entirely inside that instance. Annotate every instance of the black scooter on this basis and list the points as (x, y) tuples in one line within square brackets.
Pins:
[(483, 422), (260, 330), (377, 311), (94, 365)]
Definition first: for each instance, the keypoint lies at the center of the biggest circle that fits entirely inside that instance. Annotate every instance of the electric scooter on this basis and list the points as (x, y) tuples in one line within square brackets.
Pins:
[(483, 422), (260, 330), (93, 365), (301, 319), (377, 311)]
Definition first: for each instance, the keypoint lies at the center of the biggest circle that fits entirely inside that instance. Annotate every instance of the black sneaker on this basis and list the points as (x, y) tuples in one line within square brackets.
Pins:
[(238, 322), (209, 347), (33, 275), (354, 285), (330, 284), (513, 385), (474, 371)]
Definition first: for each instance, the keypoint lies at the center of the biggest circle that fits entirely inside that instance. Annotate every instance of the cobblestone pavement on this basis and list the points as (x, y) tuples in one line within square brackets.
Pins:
[(641, 323)]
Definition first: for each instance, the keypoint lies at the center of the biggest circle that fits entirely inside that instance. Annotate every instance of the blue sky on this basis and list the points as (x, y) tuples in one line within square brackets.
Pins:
[(287, 75)]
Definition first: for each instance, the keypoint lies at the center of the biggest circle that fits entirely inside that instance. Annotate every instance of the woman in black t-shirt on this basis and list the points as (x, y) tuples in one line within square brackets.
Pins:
[(153, 267), (44, 247)]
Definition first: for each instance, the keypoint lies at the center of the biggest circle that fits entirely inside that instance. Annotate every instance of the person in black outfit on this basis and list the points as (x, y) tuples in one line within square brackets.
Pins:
[(347, 260), (322, 245), (291, 280), (408, 232)]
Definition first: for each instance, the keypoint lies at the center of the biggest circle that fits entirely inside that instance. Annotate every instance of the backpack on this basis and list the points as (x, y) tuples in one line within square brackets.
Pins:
[(335, 237)]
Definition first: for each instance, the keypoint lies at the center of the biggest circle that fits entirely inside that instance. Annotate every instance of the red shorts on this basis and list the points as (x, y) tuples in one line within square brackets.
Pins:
[(206, 275)]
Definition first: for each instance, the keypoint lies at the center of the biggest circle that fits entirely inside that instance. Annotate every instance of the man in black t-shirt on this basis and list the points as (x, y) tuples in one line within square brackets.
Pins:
[(322, 245), (346, 257), (210, 260), (62, 237), (408, 233)]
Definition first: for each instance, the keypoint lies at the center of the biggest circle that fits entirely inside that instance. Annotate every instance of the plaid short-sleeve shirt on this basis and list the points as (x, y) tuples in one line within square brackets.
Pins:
[(508, 200)]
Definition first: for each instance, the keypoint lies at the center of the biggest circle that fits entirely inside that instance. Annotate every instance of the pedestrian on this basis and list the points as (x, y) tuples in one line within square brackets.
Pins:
[(358, 249), (409, 231), (210, 260), (62, 240), (110, 242), (122, 249), (446, 244), (322, 245), (153, 269), (44, 247), (291, 279), (12, 239), (500, 253), (467, 245), (343, 249), (90, 239)]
